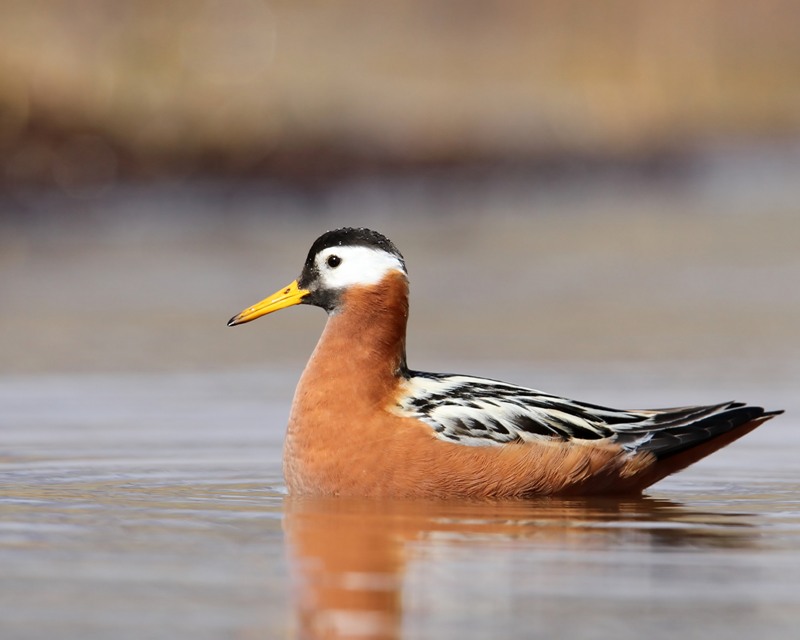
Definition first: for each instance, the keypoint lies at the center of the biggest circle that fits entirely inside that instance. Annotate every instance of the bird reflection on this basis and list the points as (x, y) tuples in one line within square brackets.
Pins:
[(348, 558)]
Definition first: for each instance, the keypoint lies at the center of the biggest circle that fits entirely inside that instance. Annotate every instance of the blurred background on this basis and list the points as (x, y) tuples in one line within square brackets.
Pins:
[(596, 199), (624, 177)]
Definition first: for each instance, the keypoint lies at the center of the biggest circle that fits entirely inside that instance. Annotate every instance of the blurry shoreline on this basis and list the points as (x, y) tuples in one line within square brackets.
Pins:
[(307, 94), (77, 161), (757, 177)]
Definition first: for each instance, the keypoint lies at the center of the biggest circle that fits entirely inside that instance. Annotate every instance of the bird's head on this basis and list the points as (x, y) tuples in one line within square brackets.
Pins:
[(337, 261)]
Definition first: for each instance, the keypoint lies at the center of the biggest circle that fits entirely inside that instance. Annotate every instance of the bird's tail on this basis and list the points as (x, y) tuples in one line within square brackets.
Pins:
[(677, 447)]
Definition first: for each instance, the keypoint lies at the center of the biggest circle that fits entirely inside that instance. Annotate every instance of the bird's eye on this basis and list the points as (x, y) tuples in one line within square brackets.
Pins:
[(334, 261)]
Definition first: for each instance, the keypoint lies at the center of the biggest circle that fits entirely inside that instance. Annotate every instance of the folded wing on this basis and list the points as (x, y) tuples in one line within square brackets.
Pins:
[(483, 412)]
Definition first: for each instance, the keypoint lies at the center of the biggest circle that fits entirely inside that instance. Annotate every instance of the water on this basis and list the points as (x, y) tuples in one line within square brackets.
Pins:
[(152, 506), (140, 486)]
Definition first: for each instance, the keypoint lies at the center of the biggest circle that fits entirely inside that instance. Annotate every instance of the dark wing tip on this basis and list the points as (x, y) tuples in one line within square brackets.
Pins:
[(672, 440)]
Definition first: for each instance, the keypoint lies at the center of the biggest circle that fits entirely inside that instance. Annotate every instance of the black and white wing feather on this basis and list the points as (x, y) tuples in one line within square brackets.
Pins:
[(483, 412)]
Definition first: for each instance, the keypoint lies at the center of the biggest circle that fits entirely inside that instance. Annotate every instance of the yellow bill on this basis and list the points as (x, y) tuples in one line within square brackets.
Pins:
[(286, 297)]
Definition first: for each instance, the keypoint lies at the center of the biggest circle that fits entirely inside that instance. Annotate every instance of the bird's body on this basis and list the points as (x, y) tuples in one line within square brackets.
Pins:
[(363, 424)]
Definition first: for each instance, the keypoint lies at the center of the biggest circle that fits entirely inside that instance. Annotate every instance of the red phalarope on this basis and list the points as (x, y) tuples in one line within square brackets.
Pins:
[(363, 424)]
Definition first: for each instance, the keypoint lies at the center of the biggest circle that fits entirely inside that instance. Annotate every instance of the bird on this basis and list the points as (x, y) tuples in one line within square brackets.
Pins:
[(363, 424)]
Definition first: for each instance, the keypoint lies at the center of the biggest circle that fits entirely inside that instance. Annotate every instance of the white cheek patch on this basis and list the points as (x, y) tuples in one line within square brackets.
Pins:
[(357, 265)]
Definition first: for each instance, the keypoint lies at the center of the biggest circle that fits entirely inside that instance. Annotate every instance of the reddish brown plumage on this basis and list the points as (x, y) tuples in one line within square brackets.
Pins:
[(363, 425), (343, 438)]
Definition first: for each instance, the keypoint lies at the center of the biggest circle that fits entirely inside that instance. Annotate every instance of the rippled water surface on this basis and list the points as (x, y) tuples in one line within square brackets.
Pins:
[(138, 506)]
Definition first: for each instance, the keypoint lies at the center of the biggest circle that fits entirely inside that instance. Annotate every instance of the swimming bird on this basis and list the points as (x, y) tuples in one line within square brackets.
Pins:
[(363, 424)]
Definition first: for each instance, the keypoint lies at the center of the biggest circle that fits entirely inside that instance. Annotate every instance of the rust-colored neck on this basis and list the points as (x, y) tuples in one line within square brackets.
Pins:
[(361, 353)]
